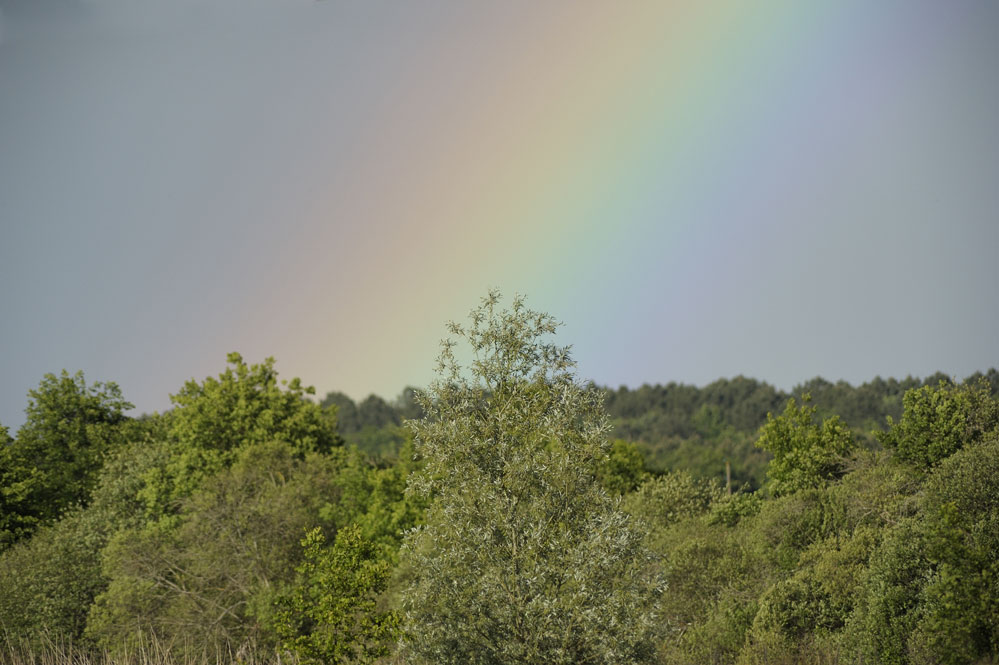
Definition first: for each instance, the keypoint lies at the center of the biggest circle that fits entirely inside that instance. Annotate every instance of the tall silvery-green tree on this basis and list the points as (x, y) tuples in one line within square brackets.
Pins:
[(523, 557)]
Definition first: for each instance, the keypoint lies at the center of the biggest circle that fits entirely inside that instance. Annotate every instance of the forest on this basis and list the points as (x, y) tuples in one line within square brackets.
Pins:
[(508, 513)]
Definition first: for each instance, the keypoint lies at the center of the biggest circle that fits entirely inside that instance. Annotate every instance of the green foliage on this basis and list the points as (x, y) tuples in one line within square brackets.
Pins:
[(346, 411), (730, 509), (407, 405), (330, 615), (373, 413), (888, 607), (374, 426), (714, 579), (665, 500), (806, 455), (383, 443), (819, 596), (706, 458), (118, 497), (786, 526), (653, 413), (50, 579), (939, 420), (960, 617), (70, 430), (877, 492), (624, 468), (929, 594), (373, 497), (245, 405), (719, 636), (523, 557), (210, 576), (702, 564), (863, 407), (208, 512), (680, 427), (388, 512), (181, 530)]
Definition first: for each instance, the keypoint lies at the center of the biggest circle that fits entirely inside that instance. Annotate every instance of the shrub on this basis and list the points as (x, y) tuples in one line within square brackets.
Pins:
[(330, 615)]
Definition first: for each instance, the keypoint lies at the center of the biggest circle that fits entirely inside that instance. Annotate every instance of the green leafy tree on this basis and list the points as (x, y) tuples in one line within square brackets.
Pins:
[(803, 614), (375, 412), (49, 580), (959, 622), (247, 404), (211, 420), (331, 615), (806, 454), (389, 512), (523, 558), (70, 430), (938, 420), (346, 411), (210, 576)]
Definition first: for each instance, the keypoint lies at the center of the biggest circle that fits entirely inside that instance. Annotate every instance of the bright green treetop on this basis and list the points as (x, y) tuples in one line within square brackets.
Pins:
[(939, 420), (247, 404), (213, 419), (806, 454)]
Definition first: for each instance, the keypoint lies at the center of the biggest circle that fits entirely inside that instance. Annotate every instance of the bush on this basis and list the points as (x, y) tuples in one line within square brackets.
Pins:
[(888, 606), (959, 622), (806, 455), (210, 576), (665, 500), (938, 420), (49, 581), (330, 615)]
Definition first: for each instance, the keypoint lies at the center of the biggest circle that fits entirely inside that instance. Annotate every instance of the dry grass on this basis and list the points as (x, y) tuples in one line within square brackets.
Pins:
[(49, 652), (152, 652)]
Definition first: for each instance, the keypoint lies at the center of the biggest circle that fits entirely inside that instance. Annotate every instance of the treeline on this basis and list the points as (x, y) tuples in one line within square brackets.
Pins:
[(679, 426), (683, 427), (519, 517)]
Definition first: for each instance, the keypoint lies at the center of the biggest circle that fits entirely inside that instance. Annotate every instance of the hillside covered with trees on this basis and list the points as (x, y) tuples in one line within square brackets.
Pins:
[(508, 513)]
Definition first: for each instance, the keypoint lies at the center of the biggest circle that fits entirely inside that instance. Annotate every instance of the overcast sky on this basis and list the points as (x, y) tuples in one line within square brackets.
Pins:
[(698, 191)]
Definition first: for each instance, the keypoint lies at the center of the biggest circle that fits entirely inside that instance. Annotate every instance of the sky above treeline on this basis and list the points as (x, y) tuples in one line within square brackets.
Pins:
[(778, 189)]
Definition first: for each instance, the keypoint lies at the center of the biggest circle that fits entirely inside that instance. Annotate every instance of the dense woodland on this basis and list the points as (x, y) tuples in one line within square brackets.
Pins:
[(508, 513)]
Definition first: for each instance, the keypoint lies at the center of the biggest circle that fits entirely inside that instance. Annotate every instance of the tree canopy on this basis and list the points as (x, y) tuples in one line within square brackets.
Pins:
[(523, 557), (71, 429)]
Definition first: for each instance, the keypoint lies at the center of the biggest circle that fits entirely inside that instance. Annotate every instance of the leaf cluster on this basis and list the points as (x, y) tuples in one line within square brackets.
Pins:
[(330, 615)]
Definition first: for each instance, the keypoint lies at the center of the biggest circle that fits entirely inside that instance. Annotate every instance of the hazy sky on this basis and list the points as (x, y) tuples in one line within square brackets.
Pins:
[(697, 189)]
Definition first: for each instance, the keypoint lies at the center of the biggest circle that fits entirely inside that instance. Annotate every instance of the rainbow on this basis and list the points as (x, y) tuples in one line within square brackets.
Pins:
[(576, 142)]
